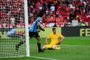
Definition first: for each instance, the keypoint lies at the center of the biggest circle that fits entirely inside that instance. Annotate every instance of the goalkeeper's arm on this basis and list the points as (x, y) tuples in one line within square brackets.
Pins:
[(60, 40)]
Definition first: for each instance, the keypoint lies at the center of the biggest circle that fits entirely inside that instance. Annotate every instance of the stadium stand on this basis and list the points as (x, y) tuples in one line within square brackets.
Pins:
[(11, 12), (58, 12)]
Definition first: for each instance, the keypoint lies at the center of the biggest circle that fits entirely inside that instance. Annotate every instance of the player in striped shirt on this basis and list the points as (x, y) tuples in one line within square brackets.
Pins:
[(33, 32)]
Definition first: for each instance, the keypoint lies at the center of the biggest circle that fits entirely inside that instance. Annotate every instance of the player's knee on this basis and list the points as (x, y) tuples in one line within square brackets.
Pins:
[(54, 47)]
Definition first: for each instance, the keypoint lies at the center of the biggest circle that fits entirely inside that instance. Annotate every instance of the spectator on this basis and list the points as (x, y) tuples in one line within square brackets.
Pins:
[(13, 10), (12, 19), (52, 8)]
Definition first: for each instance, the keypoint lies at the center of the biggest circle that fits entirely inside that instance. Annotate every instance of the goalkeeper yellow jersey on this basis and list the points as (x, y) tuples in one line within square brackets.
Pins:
[(55, 38)]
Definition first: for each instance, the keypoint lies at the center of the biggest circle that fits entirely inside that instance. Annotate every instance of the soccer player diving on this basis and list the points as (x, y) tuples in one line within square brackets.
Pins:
[(55, 38), (13, 33), (33, 32)]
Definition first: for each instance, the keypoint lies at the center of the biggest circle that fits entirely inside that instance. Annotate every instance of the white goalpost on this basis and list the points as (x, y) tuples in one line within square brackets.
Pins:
[(26, 28)]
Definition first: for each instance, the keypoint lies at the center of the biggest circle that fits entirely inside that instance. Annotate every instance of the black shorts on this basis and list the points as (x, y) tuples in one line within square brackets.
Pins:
[(34, 34)]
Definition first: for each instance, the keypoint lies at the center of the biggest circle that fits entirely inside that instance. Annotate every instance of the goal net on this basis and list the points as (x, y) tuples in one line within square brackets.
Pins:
[(13, 26)]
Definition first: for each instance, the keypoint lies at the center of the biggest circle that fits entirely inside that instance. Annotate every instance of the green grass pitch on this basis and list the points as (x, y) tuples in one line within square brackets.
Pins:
[(72, 48)]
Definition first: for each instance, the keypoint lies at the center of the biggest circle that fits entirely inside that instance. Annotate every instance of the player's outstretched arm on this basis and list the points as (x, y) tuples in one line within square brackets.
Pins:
[(60, 40), (42, 29)]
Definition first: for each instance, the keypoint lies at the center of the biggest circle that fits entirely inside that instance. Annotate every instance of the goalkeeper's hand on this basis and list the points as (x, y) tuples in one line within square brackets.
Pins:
[(58, 43)]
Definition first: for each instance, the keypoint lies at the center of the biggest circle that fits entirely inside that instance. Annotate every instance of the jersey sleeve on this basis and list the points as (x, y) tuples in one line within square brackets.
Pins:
[(61, 36)]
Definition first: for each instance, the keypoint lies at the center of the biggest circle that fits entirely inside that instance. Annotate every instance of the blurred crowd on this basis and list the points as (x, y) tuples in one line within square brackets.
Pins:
[(11, 12), (56, 12), (61, 12)]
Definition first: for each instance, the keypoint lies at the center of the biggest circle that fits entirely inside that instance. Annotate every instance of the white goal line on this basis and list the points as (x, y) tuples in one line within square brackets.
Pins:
[(43, 58), (31, 57)]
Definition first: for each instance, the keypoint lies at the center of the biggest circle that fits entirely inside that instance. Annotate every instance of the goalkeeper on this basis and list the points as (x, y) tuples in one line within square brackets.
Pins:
[(55, 38), (33, 32)]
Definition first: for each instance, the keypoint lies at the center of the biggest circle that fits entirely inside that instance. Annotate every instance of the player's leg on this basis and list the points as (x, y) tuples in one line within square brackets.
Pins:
[(56, 47), (19, 44), (49, 46), (38, 42), (19, 34), (23, 41)]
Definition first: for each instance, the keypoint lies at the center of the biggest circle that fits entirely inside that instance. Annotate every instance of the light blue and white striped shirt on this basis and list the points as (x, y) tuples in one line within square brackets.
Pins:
[(34, 26)]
